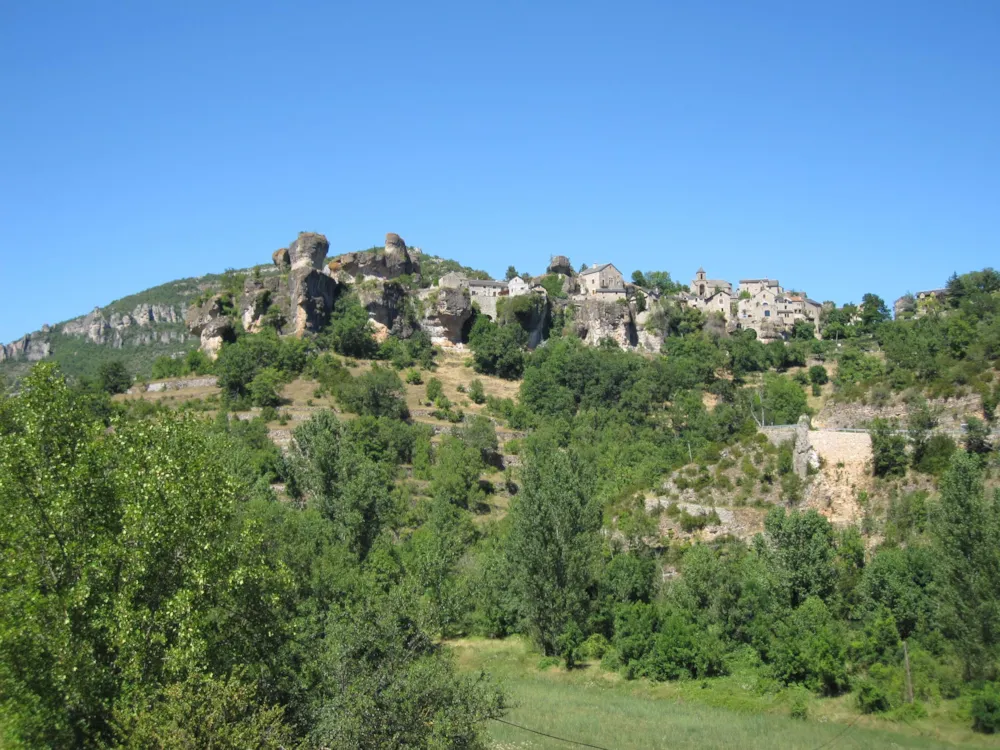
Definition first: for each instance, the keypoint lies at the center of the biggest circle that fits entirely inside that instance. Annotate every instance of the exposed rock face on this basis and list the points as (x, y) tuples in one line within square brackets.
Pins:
[(560, 264), (804, 455), (308, 251), (648, 339), (210, 323), (448, 312), (281, 259), (391, 263), (259, 294), (386, 306), (599, 319), (30, 347), (109, 329), (312, 294)]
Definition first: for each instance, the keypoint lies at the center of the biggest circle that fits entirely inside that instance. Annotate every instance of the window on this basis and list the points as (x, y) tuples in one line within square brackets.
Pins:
[(767, 313)]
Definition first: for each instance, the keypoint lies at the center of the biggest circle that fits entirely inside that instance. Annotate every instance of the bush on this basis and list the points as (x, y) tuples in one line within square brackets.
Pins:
[(265, 386), (476, 391), (872, 699), (114, 377), (413, 377), (376, 393), (986, 710), (434, 390), (888, 449), (818, 375)]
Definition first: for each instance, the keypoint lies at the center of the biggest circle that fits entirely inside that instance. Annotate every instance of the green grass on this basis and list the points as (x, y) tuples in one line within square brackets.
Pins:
[(593, 706)]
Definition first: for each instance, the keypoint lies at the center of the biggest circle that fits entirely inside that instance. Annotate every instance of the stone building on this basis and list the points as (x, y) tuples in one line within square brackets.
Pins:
[(518, 286), (603, 279), (765, 307), (485, 293), (704, 288)]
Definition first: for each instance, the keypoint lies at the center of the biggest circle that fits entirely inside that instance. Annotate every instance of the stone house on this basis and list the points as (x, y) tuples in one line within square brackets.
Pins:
[(704, 287), (603, 278), (518, 286), (485, 293), (752, 286)]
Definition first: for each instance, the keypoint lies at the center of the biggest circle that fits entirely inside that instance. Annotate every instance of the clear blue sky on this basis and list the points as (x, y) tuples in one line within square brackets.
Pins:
[(841, 147)]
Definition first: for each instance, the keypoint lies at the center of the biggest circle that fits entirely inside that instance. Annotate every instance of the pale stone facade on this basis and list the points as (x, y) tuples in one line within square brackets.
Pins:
[(603, 278), (518, 286)]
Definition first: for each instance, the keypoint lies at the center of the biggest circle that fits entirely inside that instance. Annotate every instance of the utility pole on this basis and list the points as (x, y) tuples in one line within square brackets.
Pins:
[(909, 679)]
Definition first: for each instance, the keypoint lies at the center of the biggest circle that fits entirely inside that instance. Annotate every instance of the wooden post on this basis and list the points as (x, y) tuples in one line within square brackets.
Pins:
[(909, 679)]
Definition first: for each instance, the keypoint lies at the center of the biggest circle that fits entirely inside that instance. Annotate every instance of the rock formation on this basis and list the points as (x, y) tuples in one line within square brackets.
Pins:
[(386, 303), (448, 310), (596, 320), (296, 302), (389, 263), (210, 322), (281, 260), (30, 347), (804, 455), (560, 264)]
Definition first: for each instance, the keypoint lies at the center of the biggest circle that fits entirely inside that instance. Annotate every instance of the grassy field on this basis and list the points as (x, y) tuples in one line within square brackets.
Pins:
[(592, 706)]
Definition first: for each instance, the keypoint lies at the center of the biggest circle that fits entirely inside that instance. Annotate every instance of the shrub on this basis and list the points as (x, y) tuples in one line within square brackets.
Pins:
[(265, 386), (413, 377), (434, 389), (476, 391), (872, 699), (114, 377), (888, 449), (986, 710), (376, 393)]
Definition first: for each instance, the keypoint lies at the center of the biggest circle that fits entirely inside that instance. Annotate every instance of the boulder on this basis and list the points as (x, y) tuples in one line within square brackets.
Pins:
[(308, 251), (311, 295), (259, 295), (560, 264), (281, 259)]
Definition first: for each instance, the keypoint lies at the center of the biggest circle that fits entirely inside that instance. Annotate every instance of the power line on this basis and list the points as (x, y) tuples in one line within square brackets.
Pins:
[(838, 735), (551, 736), (826, 744)]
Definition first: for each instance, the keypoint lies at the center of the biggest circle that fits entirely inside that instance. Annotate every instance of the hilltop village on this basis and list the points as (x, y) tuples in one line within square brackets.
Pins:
[(595, 301)]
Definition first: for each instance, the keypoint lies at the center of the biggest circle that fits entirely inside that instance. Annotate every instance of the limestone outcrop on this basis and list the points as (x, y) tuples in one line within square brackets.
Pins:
[(804, 456), (281, 259), (210, 323), (596, 320), (560, 264), (389, 263), (30, 347), (297, 300), (447, 313), (386, 303)]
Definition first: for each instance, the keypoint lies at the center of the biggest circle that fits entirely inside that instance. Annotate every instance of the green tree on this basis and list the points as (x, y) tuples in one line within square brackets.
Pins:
[(349, 331), (114, 377), (888, 449), (874, 312), (552, 545), (265, 388), (804, 549), (511, 273), (818, 375), (977, 437), (497, 350), (385, 683), (127, 564), (966, 531), (456, 473), (377, 393), (476, 391)]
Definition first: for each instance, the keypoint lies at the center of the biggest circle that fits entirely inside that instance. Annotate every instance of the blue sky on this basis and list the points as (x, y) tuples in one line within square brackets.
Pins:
[(842, 147)]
